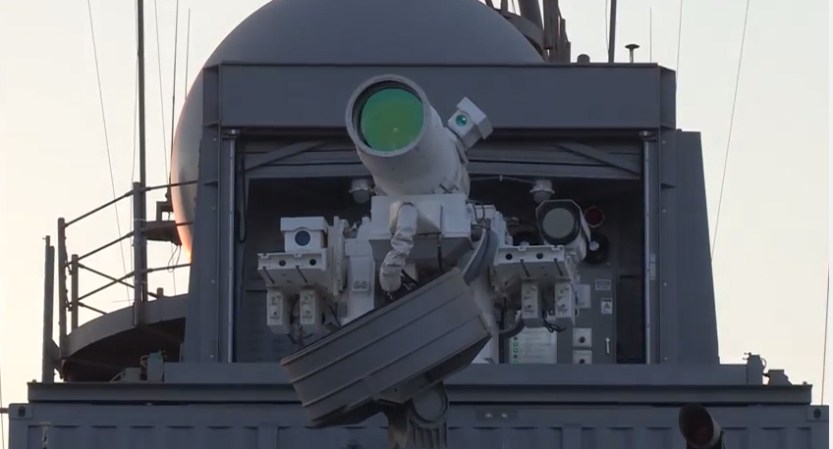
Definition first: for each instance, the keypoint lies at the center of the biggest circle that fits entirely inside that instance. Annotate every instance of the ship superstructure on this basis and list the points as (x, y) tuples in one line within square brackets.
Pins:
[(419, 223)]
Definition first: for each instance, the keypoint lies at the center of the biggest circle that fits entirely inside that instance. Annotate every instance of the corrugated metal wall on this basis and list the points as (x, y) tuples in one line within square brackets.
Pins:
[(84, 426)]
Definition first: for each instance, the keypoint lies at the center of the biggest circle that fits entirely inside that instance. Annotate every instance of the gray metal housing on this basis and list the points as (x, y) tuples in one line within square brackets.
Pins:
[(597, 406), (636, 124), (259, 122), (593, 406)]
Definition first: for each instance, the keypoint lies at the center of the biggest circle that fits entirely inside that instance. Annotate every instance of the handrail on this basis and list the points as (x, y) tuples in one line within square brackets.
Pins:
[(167, 186), (99, 208), (107, 276), (91, 308), (126, 195), (70, 266), (106, 245), (77, 299)]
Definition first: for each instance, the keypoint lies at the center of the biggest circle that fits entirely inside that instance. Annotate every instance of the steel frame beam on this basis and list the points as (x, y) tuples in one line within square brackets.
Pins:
[(541, 384)]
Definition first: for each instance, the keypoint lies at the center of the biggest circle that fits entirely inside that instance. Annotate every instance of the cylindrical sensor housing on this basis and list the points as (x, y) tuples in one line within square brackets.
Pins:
[(401, 139)]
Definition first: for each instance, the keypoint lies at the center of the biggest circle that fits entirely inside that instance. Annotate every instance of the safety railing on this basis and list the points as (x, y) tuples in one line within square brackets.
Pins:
[(70, 266)]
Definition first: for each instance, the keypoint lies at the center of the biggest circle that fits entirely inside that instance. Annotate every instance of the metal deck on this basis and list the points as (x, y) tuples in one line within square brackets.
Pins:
[(549, 411)]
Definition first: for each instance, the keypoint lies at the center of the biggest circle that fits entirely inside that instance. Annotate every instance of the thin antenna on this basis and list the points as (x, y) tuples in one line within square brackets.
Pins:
[(679, 40), (187, 49), (173, 122), (651, 34), (173, 87), (141, 55), (2, 421), (106, 134), (826, 323), (611, 44), (161, 96), (731, 127), (607, 26)]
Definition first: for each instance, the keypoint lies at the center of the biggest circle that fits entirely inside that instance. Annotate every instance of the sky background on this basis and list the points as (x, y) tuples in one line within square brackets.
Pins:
[(771, 259)]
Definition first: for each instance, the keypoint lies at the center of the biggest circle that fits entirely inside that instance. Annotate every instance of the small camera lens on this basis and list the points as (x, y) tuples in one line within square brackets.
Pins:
[(302, 238)]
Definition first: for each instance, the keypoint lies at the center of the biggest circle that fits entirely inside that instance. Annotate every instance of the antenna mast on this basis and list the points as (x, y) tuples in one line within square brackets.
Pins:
[(173, 88), (140, 260), (141, 54), (611, 45)]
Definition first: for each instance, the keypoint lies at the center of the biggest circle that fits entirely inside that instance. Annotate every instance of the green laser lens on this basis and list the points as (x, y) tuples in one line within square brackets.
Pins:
[(390, 119)]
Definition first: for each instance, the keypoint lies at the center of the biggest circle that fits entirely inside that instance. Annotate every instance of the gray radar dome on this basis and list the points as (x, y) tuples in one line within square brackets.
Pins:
[(346, 32)]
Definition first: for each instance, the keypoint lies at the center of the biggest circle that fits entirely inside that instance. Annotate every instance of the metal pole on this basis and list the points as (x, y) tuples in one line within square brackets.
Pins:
[(631, 49), (140, 284), (530, 10), (47, 367), (648, 217), (650, 34), (73, 283), (62, 287), (230, 271), (140, 7), (140, 272), (611, 44), (547, 17)]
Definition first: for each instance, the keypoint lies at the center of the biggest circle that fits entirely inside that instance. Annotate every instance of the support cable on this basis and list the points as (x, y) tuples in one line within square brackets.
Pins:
[(173, 123), (187, 49), (106, 136), (680, 38), (731, 127), (161, 95), (651, 35), (607, 25), (173, 93)]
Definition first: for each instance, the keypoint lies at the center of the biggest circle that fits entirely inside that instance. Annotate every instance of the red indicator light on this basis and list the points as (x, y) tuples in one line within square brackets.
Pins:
[(594, 217)]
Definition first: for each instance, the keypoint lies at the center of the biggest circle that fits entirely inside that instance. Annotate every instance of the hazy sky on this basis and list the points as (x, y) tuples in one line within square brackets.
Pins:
[(770, 264)]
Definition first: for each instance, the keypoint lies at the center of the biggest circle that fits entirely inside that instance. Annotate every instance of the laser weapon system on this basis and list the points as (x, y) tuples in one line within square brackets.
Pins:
[(421, 217)]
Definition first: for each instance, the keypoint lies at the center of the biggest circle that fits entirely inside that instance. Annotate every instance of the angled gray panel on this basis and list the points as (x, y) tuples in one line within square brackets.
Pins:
[(541, 96), (687, 232)]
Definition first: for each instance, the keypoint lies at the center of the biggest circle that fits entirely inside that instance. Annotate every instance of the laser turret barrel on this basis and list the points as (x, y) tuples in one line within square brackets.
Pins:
[(402, 141)]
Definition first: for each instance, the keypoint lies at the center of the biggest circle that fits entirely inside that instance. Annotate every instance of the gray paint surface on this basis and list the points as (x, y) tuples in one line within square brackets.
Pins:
[(267, 383), (689, 329), (496, 425), (514, 96)]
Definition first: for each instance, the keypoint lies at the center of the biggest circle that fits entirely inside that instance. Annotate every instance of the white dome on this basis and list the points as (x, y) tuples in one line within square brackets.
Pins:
[(347, 32)]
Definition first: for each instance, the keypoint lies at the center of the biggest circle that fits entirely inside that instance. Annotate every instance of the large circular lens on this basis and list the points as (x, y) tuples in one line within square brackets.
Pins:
[(559, 225), (390, 119)]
